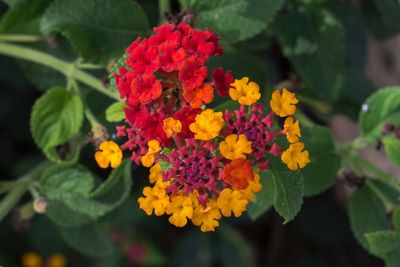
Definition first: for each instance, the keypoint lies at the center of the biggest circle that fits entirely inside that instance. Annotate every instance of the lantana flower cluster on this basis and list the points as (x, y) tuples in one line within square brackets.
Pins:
[(204, 162)]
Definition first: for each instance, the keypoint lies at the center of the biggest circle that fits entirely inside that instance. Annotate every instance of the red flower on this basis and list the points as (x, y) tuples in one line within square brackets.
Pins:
[(151, 126), (143, 58), (172, 57), (123, 81), (222, 81), (186, 116), (238, 173), (165, 33), (198, 96), (192, 74), (144, 89)]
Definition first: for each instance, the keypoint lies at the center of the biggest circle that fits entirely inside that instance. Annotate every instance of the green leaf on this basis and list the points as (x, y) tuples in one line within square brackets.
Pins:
[(264, 199), (392, 148), (396, 219), (288, 193), (315, 47), (382, 107), (235, 20), (98, 30), (320, 174), (56, 117), (385, 245), (92, 240), (115, 112), (367, 214)]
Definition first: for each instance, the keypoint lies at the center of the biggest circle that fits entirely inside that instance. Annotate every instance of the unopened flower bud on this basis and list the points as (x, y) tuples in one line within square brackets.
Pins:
[(40, 205)]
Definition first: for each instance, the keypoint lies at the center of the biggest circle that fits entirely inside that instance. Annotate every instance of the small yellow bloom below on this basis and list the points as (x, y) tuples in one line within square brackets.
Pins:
[(31, 259), (154, 146), (245, 92), (283, 104), (109, 153), (56, 260), (207, 125), (171, 126), (148, 159), (294, 157), (232, 201), (181, 208), (155, 173), (292, 130), (155, 199), (207, 218), (235, 146)]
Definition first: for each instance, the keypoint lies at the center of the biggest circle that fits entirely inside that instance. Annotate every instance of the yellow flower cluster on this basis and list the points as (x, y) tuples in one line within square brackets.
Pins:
[(207, 125), (109, 154), (245, 92), (284, 104), (171, 126), (148, 159), (181, 208)]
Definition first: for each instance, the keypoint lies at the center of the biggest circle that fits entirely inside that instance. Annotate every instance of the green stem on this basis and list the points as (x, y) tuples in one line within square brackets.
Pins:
[(321, 106), (91, 118), (304, 120), (164, 6), (20, 38), (57, 64)]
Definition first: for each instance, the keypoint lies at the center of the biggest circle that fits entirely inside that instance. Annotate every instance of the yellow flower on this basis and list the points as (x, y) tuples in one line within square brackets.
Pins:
[(171, 126), (56, 260), (294, 157), (181, 208), (283, 104), (232, 201), (148, 159), (254, 187), (292, 130), (155, 199), (109, 153), (207, 125), (235, 146), (155, 173), (31, 259), (207, 218), (244, 92)]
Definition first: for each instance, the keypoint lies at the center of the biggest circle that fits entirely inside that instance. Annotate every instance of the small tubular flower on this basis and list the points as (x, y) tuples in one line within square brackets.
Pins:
[(207, 125), (283, 104), (292, 130), (148, 159), (238, 173), (232, 201), (155, 173), (31, 259), (254, 187), (109, 154), (198, 96), (171, 126), (207, 218), (56, 260), (235, 146), (155, 199), (180, 208), (294, 157), (245, 92)]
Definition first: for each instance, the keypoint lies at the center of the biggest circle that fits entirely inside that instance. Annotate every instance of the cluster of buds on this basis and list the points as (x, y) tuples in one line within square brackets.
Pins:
[(204, 163)]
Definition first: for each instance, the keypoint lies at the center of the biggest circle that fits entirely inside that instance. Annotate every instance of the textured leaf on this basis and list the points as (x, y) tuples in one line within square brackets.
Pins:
[(385, 245), (92, 240), (315, 47), (98, 30), (392, 149), (115, 112), (264, 199), (56, 117), (235, 20), (367, 214), (382, 107), (288, 193), (320, 174)]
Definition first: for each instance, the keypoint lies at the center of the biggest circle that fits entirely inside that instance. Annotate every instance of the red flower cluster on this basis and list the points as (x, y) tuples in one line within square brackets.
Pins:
[(166, 71)]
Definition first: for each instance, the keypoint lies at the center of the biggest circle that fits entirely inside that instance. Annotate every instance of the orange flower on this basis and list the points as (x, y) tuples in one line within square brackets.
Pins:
[(238, 173), (200, 95)]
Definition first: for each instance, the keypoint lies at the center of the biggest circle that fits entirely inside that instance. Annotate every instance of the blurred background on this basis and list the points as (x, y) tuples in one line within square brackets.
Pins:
[(320, 235)]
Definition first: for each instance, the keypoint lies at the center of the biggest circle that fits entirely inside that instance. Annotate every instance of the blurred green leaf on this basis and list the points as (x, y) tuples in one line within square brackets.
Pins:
[(264, 199), (115, 112), (367, 214), (382, 107), (385, 245), (196, 250), (235, 20), (315, 47), (320, 174), (56, 117), (396, 218), (111, 25), (392, 148), (288, 193)]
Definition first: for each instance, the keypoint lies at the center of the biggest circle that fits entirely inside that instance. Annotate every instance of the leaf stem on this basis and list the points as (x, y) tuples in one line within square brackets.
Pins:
[(57, 64), (164, 6), (20, 38)]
